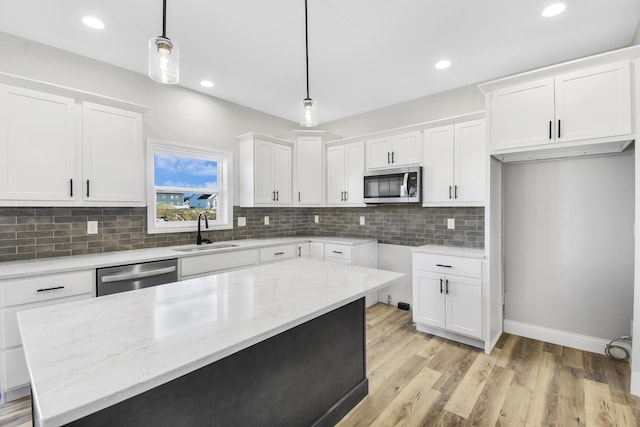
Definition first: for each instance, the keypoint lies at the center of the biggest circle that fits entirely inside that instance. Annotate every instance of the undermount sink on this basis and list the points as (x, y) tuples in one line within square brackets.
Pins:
[(205, 248)]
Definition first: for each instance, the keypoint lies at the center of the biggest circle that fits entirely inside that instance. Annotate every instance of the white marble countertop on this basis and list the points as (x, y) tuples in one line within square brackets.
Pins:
[(86, 355), (9, 270), (450, 250)]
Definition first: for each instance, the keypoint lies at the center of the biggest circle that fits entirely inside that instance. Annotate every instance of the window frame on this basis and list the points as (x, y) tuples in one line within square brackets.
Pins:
[(224, 179)]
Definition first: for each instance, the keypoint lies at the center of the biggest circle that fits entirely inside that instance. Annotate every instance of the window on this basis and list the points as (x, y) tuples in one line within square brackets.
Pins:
[(185, 181)]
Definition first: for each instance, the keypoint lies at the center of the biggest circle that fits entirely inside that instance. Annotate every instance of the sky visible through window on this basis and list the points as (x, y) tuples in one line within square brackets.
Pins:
[(184, 172)]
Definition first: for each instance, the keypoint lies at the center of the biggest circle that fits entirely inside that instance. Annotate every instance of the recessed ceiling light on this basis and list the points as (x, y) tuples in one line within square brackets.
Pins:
[(554, 9), (206, 83), (92, 22), (441, 65)]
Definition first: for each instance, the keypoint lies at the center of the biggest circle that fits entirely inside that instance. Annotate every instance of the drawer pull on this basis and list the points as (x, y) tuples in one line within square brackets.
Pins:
[(443, 265), (279, 253), (337, 252), (50, 289)]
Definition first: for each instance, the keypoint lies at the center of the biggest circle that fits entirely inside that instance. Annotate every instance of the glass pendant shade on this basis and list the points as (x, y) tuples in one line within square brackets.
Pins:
[(308, 113), (164, 60)]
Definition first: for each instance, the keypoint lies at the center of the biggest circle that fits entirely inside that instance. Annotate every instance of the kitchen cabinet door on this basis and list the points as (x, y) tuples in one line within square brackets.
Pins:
[(429, 295), (464, 305), (354, 169), (469, 161), (264, 182), (593, 103), (522, 115), (309, 171), (438, 164), (316, 250), (336, 174), (406, 149), (282, 174), (37, 146), (302, 250), (379, 152), (113, 156)]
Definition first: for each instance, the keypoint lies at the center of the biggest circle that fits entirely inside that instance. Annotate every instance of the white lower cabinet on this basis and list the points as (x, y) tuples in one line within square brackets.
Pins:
[(278, 253), (364, 255), (316, 250), (24, 294), (447, 296), (203, 265), (302, 250)]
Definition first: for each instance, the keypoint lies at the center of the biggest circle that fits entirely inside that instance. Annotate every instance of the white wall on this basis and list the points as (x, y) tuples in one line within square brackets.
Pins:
[(568, 244), (176, 114), (396, 258)]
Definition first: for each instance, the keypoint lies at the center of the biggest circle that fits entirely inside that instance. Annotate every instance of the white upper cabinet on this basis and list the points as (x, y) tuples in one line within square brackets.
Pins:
[(309, 171), (345, 167), (37, 146), (265, 171), (113, 155), (394, 151), (576, 106), (58, 151), (454, 165)]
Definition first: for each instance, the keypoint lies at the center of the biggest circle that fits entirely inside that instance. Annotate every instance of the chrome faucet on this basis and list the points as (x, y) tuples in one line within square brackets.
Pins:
[(199, 238)]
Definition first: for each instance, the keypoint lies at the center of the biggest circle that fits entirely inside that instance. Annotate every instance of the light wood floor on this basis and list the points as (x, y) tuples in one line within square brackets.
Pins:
[(419, 380)]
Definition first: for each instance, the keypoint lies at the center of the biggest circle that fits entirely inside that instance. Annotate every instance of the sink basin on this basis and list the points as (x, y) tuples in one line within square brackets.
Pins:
[(205, 248)]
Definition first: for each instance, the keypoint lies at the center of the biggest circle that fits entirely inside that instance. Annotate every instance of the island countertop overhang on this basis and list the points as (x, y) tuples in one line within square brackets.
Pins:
[(87, 355)]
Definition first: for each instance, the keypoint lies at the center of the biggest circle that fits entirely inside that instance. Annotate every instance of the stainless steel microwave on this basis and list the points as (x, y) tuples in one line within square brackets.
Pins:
[(393, 186)]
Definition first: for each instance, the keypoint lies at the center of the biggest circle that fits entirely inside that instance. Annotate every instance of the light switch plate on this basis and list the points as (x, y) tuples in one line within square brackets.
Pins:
[(266, 220), (242, 221), (92, 227), (316, 218), (361, 220), (451, 223)]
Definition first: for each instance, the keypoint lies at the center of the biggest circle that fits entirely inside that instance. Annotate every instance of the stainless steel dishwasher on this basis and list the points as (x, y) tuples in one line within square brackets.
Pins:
[(122, 278)]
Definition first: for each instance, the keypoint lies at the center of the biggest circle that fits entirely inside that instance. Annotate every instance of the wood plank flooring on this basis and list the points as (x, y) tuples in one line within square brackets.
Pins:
[(419, 380)]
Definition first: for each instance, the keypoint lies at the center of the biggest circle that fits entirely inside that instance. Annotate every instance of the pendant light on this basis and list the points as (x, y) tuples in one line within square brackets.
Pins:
[(308, 107), (164, 55)]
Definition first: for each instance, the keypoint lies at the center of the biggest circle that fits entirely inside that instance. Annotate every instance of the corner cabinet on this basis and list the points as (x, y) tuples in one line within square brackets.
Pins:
[(62, 151), (454, 164), (448, 294), (345, 168), (393, 151), (591, 103), (265, 171)]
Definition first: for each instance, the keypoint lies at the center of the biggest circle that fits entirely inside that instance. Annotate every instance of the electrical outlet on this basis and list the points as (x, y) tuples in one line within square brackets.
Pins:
[(316, 218), (361, 220), (242, 221), (92, 227), (451, 223), (266, 220)]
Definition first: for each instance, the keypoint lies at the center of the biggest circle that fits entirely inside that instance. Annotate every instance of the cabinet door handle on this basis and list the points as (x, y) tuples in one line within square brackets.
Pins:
[(299, 251), (440, 285), (87, 188), (393, 154), (455, 191), (346, 196), (449, 192), (279, 253), (443, 265), (55, 288), (273, 196), (71, 188), (388, 157), (446, 286), (550, 133), (558, 128), (277, 196), (298, 197), (337, 252)]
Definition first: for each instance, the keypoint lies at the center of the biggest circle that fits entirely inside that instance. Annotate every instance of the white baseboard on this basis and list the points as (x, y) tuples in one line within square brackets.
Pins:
[(555, 336)]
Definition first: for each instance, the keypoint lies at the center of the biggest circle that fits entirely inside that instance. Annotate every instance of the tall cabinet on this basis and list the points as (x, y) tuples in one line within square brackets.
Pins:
[(309, 168)]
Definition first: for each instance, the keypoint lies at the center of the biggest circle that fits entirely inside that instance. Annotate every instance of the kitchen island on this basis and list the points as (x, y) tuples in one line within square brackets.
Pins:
[(279, 344)]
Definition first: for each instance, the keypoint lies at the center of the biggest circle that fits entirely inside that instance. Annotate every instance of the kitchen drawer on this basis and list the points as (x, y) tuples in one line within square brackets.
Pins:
[(11, 333), (337, 251), (447, 264), (15, 369), (43, 288), (210, 263), (276, 253)]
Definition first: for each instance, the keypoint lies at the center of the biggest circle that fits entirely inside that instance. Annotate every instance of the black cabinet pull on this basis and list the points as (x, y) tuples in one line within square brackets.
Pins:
[(299, 251), (346, 196), (71, 188), (443, 265), (277, 196), (440, 285), (337, 252), (393, 154), (342, 196), (558, 128), (279, 253), (446, 286), (87, 188), (455, 191), (273, 196), (550, 134), (388, 157), (449, 192), (298, 196), (50, 289)]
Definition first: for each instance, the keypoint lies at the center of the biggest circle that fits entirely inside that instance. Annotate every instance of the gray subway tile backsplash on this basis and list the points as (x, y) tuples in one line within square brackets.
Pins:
[(34, 233)]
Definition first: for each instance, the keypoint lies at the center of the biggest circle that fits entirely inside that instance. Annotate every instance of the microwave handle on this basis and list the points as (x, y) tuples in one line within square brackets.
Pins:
[(404, 191)]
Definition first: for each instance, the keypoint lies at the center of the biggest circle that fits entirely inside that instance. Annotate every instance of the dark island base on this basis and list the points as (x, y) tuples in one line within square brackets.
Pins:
[(311, 375)]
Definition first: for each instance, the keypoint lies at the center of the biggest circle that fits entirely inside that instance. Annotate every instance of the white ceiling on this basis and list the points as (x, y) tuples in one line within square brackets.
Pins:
[(364, 54)]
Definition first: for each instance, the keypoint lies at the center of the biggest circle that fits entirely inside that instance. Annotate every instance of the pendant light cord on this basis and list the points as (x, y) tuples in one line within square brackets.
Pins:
[(306, 43), (164, 19)]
